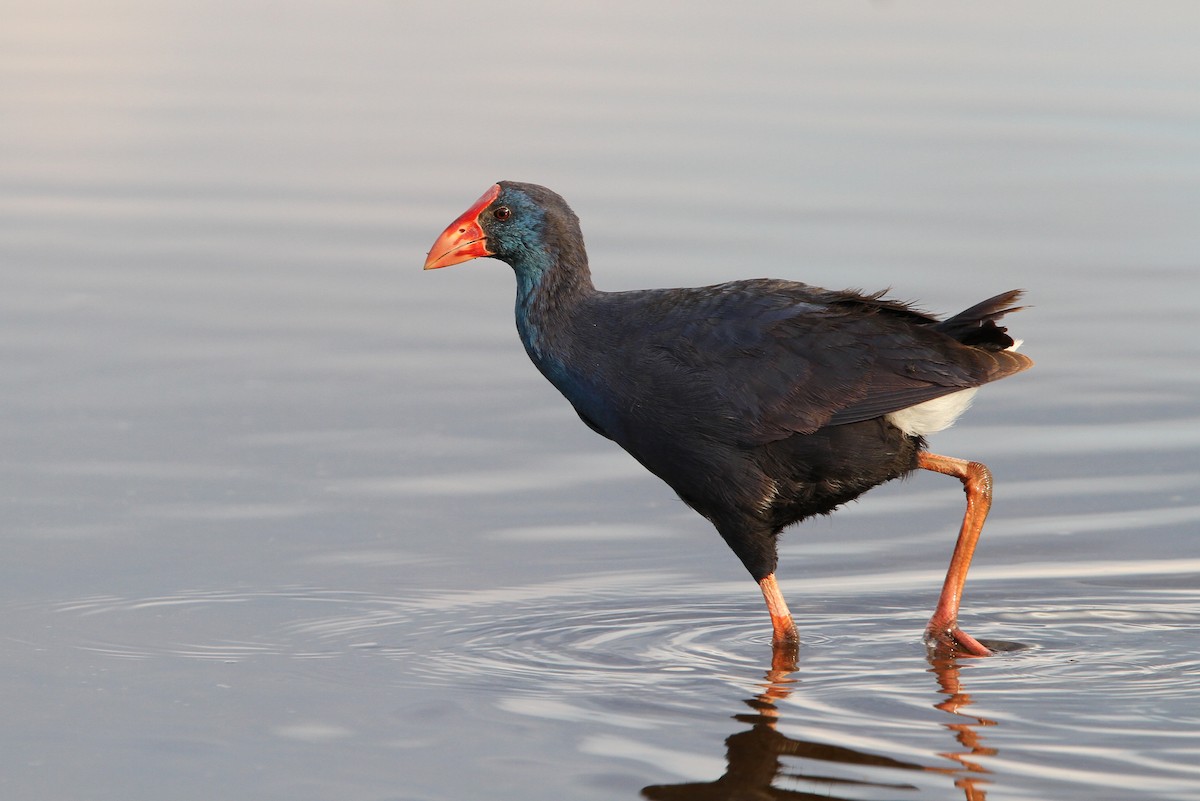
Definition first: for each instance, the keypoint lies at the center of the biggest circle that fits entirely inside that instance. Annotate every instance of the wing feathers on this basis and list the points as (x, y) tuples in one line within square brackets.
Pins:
[(769, 359)]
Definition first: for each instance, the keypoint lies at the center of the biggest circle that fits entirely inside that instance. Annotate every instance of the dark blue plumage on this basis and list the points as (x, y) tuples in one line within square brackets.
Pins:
[(760, 402)]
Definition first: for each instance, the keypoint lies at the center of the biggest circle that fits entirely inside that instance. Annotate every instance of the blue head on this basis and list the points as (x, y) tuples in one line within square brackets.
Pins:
[(525, 225), (534, 231)]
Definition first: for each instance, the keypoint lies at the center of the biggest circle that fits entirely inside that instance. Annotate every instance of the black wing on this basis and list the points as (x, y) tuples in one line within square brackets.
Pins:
[(775, 358)]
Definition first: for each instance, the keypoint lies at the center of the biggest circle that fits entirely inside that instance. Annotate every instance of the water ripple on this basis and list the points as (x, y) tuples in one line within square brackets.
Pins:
[(618, 631), (1102, 667)]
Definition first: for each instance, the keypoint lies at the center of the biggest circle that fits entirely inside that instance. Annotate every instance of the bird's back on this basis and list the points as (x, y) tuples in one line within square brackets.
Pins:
[(749, 362)]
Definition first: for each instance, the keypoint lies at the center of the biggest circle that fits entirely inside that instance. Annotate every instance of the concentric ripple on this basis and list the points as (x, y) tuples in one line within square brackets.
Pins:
[(608, 630), (626, 629), (612, 631)]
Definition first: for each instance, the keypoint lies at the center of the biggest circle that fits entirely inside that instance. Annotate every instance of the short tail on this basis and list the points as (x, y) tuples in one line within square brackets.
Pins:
[(977, 326)]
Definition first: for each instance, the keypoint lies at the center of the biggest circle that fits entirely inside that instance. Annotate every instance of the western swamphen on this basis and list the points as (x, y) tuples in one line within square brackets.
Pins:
[(760, 402)]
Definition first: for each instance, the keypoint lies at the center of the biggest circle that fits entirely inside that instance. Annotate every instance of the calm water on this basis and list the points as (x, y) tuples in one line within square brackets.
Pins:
[(286, 518)]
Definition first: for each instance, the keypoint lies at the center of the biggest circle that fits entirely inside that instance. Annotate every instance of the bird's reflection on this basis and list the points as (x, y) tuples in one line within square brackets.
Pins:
[(760, 756)]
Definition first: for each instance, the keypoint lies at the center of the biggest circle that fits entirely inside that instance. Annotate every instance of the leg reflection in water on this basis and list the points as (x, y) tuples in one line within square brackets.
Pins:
[(760, 756), (970, 782)]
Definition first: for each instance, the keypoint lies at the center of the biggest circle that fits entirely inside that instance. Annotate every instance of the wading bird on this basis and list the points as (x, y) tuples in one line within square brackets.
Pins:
[(760, 402)]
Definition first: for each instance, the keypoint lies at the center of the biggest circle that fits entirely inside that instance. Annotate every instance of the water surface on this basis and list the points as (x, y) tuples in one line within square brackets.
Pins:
[(284, 517)]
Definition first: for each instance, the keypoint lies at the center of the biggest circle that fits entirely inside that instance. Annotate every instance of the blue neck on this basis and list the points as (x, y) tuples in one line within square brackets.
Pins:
[(531, 278), (549, 288)]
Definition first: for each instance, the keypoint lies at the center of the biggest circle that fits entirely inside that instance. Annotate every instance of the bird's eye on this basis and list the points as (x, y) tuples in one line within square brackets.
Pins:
[(502, 213)]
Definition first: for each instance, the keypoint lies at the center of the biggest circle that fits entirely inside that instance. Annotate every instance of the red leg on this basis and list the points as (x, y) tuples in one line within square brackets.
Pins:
[(977, 482), (781, 618)]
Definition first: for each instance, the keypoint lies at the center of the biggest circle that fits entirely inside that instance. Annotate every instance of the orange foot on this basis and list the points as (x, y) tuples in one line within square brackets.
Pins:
[(954, 642)]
